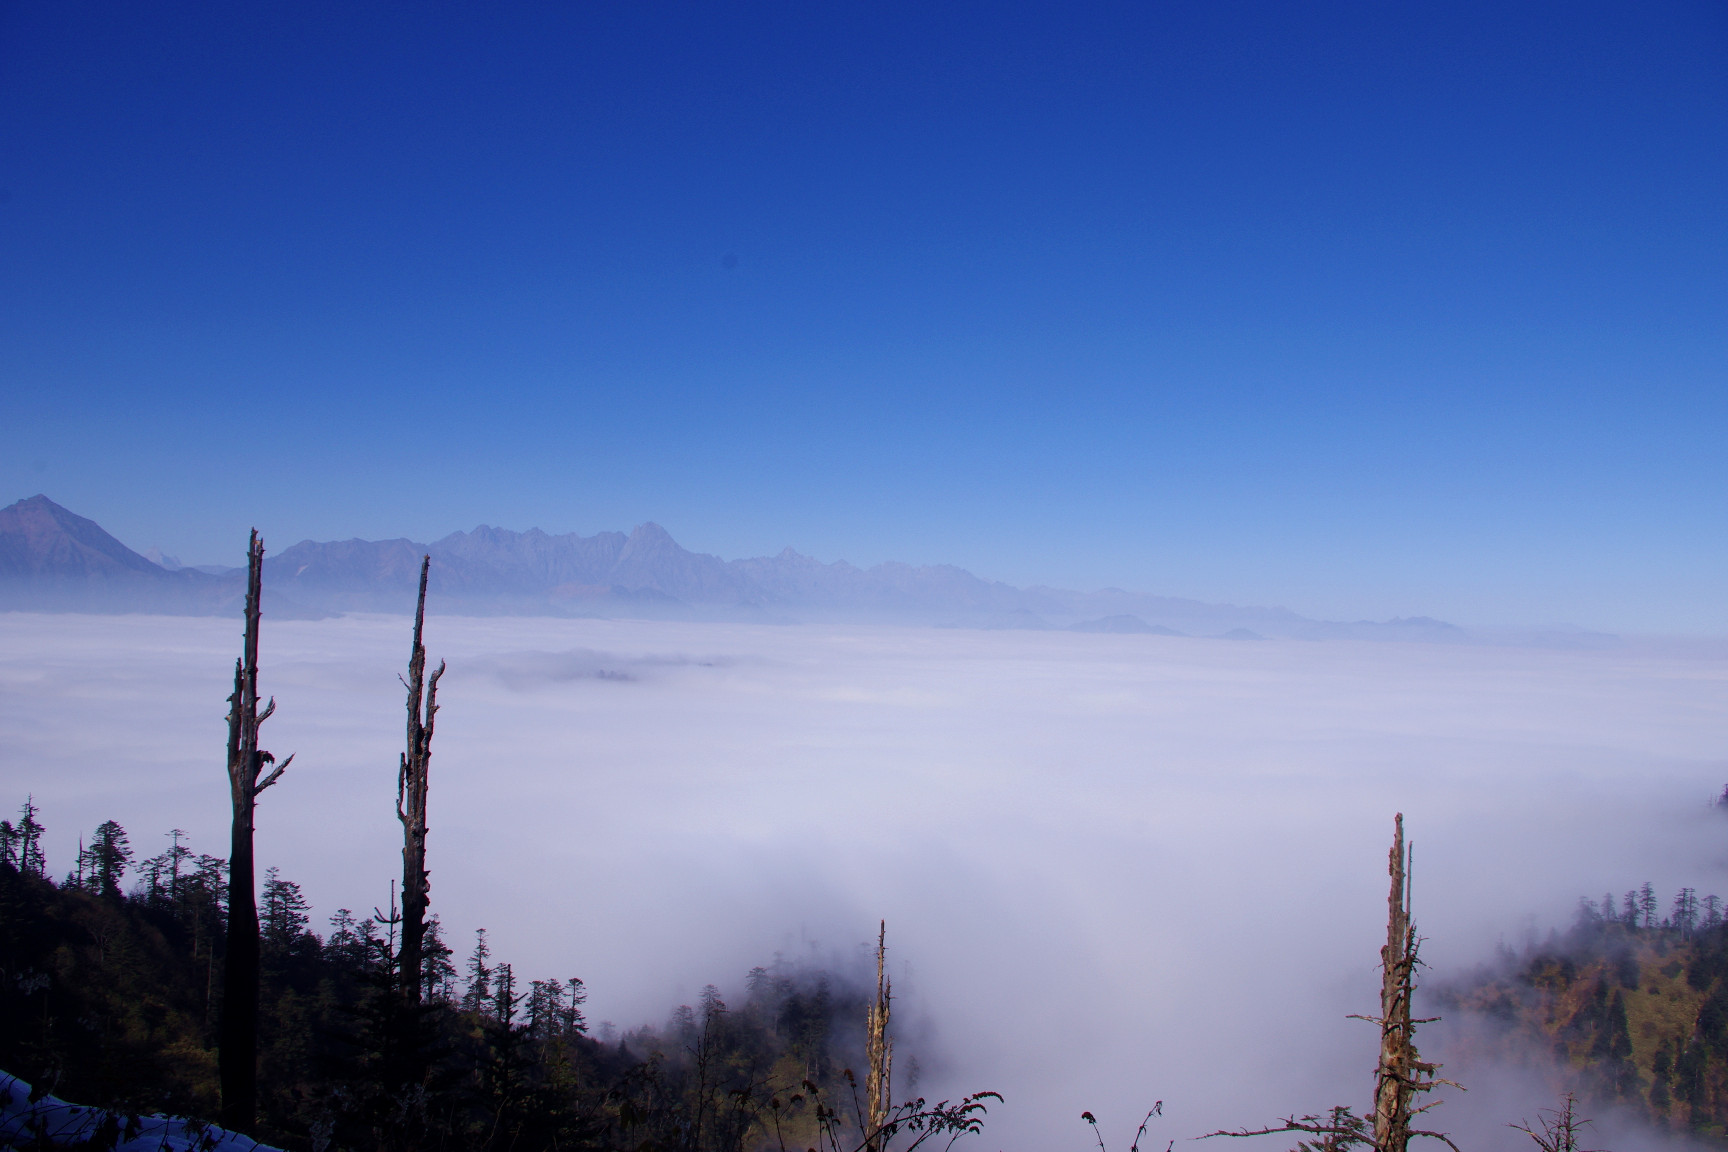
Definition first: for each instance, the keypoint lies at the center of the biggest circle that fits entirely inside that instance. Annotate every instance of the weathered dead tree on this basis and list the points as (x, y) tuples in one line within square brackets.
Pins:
[(879, 1051), (1400, 1072), (237, 1063), (1558, 1129), (411, 785)]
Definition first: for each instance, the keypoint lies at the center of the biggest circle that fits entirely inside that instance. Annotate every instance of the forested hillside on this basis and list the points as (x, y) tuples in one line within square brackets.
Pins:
[(111, 986), (1629, 1006)]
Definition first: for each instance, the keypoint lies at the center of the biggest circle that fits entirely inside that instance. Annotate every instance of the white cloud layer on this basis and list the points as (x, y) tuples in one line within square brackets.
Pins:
[(1114, 868)]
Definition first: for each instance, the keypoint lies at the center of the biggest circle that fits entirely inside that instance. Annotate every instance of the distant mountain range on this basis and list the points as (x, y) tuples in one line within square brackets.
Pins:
[(52, 560)]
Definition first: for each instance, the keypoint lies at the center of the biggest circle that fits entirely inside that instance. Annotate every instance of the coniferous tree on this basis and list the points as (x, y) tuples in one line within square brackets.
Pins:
[(178, 857), (75, 878), (238, 1046), (436, 971), (31, 860), (1612, 1050), (479, 990), (574, 1022), (1684, 917), (106, 858), (504, 1071), (1647, 905), (1661, 1072), (284, 913), (1689, 1085), (163, 874)]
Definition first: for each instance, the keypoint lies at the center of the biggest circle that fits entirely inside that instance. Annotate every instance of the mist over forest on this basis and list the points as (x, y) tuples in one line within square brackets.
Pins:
[(946, 539), (1116, 869)]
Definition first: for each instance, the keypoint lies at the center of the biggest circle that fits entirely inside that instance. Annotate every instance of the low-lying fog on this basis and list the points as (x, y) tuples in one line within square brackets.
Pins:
[(1115, 869)]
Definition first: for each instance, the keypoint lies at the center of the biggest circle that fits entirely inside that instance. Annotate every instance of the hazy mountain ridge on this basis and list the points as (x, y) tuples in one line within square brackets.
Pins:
[(54, 560)]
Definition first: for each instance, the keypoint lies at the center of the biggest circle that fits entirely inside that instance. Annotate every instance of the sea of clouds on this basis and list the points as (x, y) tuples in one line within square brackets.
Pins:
[(1115, 869)]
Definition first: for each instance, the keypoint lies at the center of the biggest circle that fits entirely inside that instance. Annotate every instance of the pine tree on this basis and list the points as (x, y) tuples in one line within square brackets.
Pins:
[(574, 1021), (179, 856), (479, 991), (1661, 1071), (31, 860), (684, 1023), (545, 1008), (1689, 1085), (1647, 905), (75, 879), (1712, 911), (1612, 1049), (1685, 915), (150, 888), (505, 1066), (436, 971), (163, 874), (285, 912), (106, 859)]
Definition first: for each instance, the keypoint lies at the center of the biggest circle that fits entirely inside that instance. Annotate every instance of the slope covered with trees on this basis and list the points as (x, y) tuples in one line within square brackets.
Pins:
[(111, 995), (1628, 1008)]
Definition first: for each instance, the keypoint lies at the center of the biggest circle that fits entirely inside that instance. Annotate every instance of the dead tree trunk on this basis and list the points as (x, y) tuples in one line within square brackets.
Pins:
[(1400, 1074), (411, 783), (237, 1063), (879, 1051)]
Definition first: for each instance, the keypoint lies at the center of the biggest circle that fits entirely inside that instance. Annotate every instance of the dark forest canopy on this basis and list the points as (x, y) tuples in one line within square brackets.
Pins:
[(110, 995), (111, 991)]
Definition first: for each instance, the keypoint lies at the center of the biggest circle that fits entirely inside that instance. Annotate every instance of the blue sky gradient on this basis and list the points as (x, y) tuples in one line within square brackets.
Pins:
[(1365, 310)]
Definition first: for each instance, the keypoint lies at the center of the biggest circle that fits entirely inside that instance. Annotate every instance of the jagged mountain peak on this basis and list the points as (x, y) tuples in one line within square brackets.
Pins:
[(47, 554)]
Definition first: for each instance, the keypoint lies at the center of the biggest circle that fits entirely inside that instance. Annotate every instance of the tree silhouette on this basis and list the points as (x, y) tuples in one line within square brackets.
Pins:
[(413, 778), (238, 1051), (105, 860)]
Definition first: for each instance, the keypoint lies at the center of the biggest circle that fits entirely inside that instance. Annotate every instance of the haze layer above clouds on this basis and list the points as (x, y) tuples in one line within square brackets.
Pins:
[(1114, 868)]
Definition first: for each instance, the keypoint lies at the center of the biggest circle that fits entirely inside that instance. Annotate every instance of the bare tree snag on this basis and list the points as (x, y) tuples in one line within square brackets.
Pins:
[(1400, 1073), (879, 1051), (1561, 1128), (237, 1063), (411, 785)]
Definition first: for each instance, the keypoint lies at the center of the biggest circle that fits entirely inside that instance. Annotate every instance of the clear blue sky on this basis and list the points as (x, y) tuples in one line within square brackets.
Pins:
[(1367, 310)]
